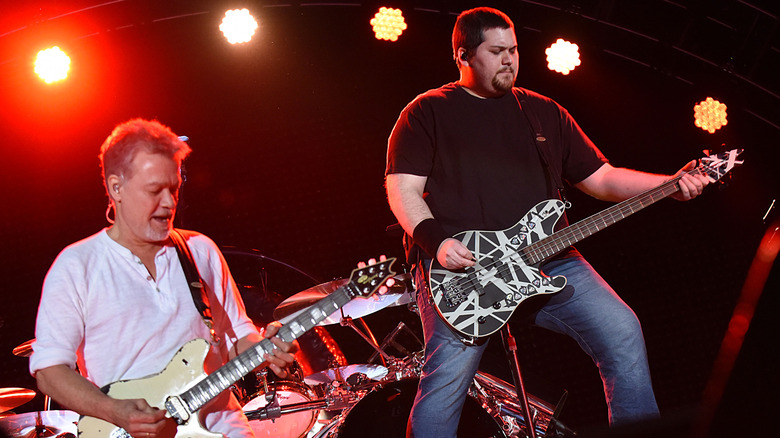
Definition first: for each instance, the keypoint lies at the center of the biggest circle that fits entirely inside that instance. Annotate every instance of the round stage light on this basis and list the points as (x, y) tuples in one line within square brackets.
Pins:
[(709, 115), (52, 65), (388, 24), (562, 56), (238, 26)]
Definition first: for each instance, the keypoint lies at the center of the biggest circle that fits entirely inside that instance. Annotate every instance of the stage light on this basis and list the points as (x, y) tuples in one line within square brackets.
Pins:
[(388, 24), (709, 115), (52, 65), (238, 26), (562, 56)]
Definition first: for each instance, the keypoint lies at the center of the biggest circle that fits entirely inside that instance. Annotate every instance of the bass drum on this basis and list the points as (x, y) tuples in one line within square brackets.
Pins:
[(289, 425), (385, 411), (287, 392)]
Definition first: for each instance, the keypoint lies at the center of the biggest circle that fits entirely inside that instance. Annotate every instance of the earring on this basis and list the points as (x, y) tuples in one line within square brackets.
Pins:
[(108, 213)]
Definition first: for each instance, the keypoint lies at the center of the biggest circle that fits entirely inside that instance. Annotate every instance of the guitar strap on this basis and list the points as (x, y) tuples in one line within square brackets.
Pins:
[(197, 288), (541, 143)]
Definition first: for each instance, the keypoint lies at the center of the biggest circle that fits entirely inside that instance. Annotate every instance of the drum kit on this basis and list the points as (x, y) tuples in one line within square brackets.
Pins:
[(340, 401)]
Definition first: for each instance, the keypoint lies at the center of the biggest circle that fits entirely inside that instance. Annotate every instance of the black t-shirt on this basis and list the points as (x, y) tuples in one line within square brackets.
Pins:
[(483, 168)]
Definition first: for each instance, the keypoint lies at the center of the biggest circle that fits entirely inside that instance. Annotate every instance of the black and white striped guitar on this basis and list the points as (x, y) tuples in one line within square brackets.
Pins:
[(182, 388), (477, 301)]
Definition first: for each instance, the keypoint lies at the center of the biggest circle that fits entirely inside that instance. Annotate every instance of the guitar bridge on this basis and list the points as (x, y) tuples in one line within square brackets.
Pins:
[(453, 293), (175, 406)]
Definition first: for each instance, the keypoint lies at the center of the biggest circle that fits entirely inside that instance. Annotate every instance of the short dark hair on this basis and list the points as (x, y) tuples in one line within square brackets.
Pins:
[(119, 149), (469, 28)]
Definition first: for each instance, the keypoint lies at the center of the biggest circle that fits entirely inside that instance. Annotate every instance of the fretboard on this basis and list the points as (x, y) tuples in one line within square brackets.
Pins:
[(557, 242), (241, 365)]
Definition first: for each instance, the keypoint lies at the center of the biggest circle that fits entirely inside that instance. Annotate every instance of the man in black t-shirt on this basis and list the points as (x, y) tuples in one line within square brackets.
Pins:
[(463, 157)]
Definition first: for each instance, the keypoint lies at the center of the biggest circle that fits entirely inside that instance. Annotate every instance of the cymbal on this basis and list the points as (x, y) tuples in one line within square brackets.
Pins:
[(396, 295), (39, 424), (25, 349), (13, 397), (373, 372)]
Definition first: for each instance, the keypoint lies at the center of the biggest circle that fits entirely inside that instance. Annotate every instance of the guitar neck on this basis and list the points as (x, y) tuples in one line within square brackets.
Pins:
[(557, 242), (241, 365)]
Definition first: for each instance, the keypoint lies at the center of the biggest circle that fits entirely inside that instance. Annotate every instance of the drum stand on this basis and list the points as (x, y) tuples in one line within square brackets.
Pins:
[(368, 336), (510, 347)]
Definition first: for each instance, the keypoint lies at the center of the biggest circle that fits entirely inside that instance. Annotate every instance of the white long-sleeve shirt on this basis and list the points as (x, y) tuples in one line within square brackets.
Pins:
[(100, 307)]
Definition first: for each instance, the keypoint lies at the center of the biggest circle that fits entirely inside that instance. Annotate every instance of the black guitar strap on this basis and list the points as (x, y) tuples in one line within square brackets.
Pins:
[(541, 144), (197, 288)]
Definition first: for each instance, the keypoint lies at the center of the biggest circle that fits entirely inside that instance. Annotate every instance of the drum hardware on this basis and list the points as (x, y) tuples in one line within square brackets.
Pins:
[(391, 340), (288, 403), (510, 348), (345, 373), (43, 424), (499, 398)]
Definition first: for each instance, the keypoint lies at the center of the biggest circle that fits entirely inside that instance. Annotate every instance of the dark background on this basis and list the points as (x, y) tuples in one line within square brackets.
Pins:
[(289, 137)]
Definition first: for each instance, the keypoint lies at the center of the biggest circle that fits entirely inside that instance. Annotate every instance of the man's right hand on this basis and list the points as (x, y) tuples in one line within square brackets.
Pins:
[(139, 419), (454, 255)]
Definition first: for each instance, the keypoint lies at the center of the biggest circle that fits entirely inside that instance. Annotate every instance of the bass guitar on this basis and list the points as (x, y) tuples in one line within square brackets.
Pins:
[(477, 301), (182, 388)]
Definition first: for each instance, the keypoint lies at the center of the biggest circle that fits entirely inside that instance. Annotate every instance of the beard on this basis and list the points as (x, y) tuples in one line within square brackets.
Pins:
[(502, 82)]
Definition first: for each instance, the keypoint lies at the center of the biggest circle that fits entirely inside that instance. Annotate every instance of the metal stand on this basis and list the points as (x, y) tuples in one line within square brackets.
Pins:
[(510, 347)]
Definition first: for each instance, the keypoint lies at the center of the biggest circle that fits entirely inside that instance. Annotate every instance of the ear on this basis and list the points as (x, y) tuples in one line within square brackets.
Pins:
[(463, 56), (113, 185)]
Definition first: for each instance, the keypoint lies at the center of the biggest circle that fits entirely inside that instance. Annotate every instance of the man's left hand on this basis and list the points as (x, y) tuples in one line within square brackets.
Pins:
[(691, 185), (283, 354)]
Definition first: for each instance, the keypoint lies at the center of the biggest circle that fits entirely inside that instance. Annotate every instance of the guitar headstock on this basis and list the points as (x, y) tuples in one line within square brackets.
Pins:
[(714, 166), (363, 282)]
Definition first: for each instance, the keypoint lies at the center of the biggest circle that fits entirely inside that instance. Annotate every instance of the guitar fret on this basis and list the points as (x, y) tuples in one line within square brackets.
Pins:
[(221, 379)]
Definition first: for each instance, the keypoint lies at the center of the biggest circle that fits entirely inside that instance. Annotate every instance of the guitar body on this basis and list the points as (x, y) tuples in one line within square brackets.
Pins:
[(479, 300), (183, 371)]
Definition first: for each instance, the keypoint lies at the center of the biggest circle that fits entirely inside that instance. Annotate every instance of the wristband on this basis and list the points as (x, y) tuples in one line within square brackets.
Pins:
[(429, 235)]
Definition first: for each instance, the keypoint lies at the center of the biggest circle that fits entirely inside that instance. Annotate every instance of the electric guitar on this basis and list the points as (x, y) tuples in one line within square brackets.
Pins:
[(182, 387), (477, 301)]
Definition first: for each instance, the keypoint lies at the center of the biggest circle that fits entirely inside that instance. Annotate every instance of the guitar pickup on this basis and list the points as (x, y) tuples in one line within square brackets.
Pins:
[(176, 408)]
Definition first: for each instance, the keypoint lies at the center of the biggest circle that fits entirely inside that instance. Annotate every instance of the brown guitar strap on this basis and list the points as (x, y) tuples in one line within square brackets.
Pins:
[(197, 288)]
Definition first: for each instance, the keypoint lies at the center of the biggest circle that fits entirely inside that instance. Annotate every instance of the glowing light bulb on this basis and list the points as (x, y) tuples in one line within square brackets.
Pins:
[(388, 24), (52, 65), (562, 56), (709, 115), (238, 26)]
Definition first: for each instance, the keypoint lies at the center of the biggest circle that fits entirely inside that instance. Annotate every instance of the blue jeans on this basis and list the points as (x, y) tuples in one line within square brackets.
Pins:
[(587, 309)]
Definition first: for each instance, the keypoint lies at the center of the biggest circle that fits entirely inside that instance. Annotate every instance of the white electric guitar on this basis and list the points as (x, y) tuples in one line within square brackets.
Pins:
[(477, 301), (182, 388)]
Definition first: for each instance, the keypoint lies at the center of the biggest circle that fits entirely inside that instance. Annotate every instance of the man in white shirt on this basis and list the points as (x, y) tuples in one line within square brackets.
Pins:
[(118, 303)]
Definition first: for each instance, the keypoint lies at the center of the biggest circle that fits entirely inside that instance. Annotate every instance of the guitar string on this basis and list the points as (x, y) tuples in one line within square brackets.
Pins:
[(502, 268), (198, 395)]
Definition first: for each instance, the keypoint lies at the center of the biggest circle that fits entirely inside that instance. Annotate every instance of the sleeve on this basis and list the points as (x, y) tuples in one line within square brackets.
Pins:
[(581, 157), (410, 148), (59, 326), (230, 318)]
